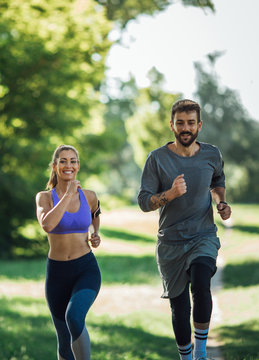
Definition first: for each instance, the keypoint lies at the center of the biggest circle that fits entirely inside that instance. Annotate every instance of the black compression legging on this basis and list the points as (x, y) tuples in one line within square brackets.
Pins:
[(71, 288), (202, 303)]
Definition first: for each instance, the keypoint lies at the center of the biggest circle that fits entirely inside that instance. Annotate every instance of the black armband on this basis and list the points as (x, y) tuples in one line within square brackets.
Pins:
[(223, 202), (97, 212)]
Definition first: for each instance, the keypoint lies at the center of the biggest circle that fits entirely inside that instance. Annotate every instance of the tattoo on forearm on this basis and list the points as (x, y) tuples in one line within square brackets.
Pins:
[(158, 200)]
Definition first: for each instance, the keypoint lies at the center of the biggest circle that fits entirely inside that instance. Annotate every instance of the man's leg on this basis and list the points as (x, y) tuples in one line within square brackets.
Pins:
[(181, 310), (202, 306)]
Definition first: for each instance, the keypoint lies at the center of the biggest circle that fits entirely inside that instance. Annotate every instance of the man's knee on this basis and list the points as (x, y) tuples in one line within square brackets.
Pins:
[(201, 294), (200, 280)]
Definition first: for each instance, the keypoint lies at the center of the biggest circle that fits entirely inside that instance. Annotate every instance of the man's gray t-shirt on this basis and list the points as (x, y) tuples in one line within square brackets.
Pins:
[(189, 216)]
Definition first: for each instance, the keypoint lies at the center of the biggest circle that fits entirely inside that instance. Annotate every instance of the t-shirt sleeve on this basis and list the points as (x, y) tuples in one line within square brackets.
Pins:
[(218, 179), (150, 183)]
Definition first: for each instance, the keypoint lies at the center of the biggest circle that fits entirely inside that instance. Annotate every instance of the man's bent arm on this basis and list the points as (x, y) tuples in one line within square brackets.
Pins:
[(161, 199), (178, 189), (148, 198)]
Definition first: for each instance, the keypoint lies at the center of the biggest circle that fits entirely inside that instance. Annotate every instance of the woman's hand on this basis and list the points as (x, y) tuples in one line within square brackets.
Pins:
[(95, 240), (72, 187)]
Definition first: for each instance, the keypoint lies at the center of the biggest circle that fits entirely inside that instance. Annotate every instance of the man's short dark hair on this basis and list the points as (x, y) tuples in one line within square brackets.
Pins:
[(186, 105)]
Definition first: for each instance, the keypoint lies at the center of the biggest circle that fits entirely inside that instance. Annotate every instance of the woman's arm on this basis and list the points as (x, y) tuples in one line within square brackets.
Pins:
[(95, 210), (49, 216)]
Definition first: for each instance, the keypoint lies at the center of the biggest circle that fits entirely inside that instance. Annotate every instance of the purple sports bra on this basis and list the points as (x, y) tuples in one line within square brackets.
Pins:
[(77, 222)]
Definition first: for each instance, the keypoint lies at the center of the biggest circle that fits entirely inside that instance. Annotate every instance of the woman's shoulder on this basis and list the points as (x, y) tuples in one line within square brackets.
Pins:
[(43, 195), (90, 194), (91, 197)]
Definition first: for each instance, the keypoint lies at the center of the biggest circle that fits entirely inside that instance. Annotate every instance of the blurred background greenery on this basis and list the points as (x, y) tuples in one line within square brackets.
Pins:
[(53, 90)]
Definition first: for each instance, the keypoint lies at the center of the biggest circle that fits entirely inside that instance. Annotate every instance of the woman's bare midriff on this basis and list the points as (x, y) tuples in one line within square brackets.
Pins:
[(68, 246)]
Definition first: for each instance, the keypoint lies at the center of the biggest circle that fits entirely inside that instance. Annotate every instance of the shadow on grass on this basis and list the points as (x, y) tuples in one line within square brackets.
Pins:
[(241, 274), (23, 269), (120, 234), (253, 229), (25, 336), (126, 342), (241, 341), (128, 269), (27, 332)]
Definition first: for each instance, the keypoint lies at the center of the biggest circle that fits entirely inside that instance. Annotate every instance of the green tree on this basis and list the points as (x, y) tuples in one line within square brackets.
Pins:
[(123, 11), (149, 126), (52, 66), (118, 173), (227, 124), (52, 63)]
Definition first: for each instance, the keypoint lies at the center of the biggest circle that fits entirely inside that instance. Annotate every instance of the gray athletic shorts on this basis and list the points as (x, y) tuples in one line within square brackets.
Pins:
[(174, 260)]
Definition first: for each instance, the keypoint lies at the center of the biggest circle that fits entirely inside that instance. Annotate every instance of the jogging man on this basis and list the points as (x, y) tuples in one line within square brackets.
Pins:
[(181, 179)]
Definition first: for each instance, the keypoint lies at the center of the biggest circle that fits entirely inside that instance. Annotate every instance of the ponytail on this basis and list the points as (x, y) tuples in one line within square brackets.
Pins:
[(53, 180)]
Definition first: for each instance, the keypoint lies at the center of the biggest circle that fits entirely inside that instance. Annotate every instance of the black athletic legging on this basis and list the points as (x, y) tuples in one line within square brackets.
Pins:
[(200, 275), (71, 288)]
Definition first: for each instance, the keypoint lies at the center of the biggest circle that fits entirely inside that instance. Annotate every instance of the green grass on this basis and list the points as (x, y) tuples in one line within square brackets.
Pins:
[(20, 270), (27, 332), (241, 341), (241, 274), (124, 235), (132, 337), (128, 269), (115, 269), (239, 299)]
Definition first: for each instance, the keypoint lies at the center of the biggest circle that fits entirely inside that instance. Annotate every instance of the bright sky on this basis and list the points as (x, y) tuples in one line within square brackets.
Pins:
[(174, 39)]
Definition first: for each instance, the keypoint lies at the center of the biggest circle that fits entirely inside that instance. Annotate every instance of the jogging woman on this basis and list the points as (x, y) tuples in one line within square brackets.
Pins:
[(65, 211)]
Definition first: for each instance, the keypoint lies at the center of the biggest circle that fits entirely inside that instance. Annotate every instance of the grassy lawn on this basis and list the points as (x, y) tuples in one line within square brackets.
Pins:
[(239, 299), (116, 269), (124, 235), (27, 333), (26, 329)]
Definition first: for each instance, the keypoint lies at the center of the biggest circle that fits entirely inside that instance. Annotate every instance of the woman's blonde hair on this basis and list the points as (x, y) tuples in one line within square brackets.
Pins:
[(53, 180)]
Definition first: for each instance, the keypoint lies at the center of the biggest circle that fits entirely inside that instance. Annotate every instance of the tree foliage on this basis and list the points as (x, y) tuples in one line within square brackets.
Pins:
[(118, 173), (149, 126), (52, 62), (52, 91), (122, 11), (227, 124)]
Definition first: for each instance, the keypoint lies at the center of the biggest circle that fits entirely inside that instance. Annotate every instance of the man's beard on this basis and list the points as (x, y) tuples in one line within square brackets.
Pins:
[(190, 141)]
